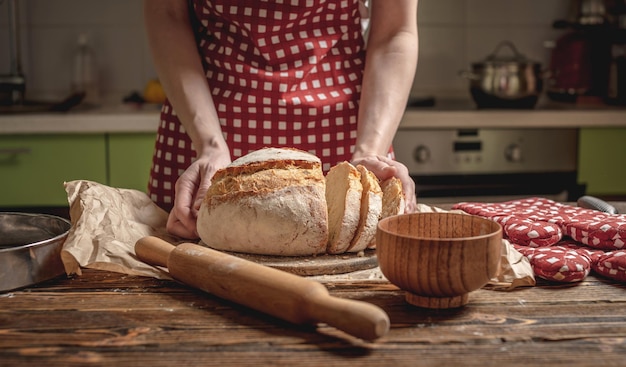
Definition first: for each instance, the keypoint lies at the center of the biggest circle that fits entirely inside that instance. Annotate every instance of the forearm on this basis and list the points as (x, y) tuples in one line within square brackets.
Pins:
[(389, 70), (180, 71)]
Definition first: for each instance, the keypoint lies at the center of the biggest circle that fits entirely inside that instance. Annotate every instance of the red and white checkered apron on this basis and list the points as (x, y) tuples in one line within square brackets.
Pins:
[(281, 72)]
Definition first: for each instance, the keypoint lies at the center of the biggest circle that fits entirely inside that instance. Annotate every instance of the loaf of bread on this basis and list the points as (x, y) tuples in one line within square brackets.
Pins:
[(270, 202), (277, 201), (343, 199), (370, 211)]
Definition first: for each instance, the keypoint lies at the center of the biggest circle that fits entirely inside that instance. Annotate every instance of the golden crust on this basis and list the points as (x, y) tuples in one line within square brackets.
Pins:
[(258, 181), (250, 168)]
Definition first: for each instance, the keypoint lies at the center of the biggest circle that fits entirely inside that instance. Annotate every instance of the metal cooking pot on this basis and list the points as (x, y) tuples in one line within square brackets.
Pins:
[(30, 248), (502, 81)]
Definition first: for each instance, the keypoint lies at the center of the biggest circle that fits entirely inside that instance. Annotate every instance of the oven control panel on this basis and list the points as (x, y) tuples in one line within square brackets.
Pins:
[(486, 151)]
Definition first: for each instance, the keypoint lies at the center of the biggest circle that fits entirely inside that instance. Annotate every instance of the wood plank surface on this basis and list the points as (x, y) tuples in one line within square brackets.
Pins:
[(103, 318)]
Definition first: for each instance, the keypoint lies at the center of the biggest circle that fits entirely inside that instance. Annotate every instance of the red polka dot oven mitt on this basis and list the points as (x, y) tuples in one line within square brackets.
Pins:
[(562, 242)]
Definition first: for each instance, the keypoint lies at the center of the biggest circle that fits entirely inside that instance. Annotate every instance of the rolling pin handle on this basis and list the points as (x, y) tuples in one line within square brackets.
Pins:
[(361, 319), (153, 250)]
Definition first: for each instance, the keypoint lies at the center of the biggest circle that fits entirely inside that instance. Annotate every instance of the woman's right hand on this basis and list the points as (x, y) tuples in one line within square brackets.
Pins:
[(384, 168), (190, 189)]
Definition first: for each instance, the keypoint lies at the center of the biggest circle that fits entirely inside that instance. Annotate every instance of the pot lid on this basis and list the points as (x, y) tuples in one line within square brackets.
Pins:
[(513, 56)]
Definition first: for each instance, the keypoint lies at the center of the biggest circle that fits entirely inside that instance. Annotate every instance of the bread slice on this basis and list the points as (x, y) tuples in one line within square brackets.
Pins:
[(343, 199), (371, 210), (393, 197), (393, 201), (269, 202)]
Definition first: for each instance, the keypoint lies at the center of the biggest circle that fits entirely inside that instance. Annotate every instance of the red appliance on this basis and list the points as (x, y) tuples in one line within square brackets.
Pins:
[(580, 59)]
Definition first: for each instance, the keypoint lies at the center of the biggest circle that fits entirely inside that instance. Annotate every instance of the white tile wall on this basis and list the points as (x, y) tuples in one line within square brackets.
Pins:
[(50, 29), (453, 33)]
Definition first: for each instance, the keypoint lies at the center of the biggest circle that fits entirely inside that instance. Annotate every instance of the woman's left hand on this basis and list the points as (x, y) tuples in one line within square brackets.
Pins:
[(385, 168)]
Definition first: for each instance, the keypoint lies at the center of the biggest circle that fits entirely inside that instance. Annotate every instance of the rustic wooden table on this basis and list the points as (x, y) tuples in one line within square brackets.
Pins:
[(103, 318)]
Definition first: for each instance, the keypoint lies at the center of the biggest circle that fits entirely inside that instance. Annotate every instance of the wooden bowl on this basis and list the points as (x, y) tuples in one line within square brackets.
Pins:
[(438, 258)]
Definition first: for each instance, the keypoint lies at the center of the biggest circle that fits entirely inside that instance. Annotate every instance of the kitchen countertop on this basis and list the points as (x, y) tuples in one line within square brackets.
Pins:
[(461, 114), (105, 318), (445, 114), (107, 119)]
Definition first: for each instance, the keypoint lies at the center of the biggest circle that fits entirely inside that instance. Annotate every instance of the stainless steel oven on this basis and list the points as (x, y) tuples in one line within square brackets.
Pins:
[(451, 165)]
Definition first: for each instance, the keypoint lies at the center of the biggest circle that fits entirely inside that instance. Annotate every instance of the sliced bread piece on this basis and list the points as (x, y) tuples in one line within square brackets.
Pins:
[(393, 197), (393, 200), (343, 199), (371, 210)]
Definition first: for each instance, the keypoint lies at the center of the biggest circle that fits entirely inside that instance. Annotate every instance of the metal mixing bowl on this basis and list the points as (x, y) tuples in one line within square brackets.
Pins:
[(30, 248)]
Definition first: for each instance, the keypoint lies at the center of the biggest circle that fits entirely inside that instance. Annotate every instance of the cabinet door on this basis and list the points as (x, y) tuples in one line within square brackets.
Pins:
[(130, 158), (33, 168), (601, 161)]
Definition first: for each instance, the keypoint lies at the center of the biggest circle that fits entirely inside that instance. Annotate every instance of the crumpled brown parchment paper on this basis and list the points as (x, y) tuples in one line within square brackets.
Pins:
[(107, 221)]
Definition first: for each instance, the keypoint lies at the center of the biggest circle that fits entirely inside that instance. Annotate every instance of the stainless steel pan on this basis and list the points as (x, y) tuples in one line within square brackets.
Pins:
[(30, 248)]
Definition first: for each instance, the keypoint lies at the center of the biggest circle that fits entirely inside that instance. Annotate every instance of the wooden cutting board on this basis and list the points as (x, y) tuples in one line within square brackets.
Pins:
[(315, 265)]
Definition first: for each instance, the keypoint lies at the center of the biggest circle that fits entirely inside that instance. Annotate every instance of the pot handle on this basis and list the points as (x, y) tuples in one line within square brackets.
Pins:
[(468, 75), (510, 45)]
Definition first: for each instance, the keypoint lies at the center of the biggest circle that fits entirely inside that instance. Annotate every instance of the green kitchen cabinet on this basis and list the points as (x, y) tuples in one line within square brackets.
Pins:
[(34, 167), (602, 156), (130, 158)]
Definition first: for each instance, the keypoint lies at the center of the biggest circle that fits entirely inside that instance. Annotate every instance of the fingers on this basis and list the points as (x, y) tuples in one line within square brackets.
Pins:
[(205, 183), (385, 168), (182, 218), (176, 227), (184, 202), (190, 189), (408, 186)]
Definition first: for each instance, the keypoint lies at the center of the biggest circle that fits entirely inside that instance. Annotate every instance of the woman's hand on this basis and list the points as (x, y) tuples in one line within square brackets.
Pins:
[(191, 187), (385, 168), (176, 59), (391, 59)]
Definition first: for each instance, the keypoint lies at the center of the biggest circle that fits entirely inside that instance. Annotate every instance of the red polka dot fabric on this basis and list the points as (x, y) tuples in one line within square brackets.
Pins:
[(562, 242), (612, 265), (557, 263), (281, 73)]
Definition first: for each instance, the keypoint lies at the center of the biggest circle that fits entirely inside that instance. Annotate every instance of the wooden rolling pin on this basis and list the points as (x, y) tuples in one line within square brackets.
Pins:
[(272, 291)]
